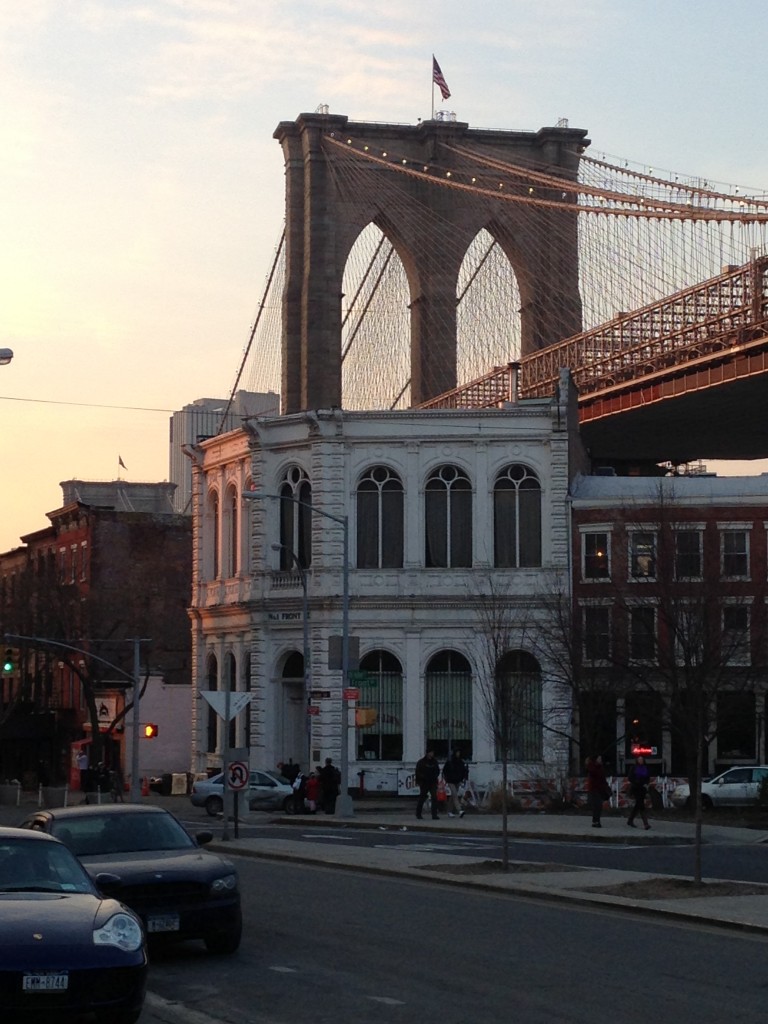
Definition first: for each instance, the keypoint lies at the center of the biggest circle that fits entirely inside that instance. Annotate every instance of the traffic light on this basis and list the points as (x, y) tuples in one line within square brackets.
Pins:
[(150, 731), (9, 662)]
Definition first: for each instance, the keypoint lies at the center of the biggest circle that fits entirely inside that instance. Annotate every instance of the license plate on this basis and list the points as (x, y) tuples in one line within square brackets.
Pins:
[(163, 923), (45, 982)]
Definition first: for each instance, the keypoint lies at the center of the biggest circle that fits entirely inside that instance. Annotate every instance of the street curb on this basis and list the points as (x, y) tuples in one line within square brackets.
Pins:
[(559, 896)]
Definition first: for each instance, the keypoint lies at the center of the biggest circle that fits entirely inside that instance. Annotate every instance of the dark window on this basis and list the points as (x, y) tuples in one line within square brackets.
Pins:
[(642, 633), (517, 518), (380, 520), (688, 554), (597, 633), (448, 519), (735, 553), (212, 723), (736, 726), (449, 704), (379, 713)]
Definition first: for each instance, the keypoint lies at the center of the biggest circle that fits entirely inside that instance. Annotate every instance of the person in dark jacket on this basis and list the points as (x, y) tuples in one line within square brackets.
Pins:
[(427, 776), (455, 773), (598, 789), (639, 776), (330, 784)]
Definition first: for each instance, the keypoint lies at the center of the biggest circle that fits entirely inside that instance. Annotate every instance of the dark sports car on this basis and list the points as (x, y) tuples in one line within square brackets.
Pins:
[(179, 890), (65, 949)]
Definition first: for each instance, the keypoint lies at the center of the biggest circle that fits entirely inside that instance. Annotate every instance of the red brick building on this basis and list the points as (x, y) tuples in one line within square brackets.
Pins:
[(114, 564), (669, 600)]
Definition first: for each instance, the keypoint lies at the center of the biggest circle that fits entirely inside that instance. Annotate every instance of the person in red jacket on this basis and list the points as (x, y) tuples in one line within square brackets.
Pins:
[(314, 792), (598, 789)]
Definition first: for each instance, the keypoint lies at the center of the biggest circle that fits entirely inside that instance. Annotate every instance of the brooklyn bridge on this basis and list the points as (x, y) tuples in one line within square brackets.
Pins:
[(437, 265)]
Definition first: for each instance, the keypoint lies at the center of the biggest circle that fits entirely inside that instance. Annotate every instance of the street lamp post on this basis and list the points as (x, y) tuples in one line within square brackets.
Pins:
[(344, 804), (305, 624)]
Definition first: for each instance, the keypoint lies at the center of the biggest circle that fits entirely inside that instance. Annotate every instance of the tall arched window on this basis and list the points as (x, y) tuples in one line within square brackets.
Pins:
[(379, 715), (212, 721), (449, 704), (517, 518), (380, 520), (230, 540), (249, 705), (211, 539), (518, 711), (295, 519), (230, 683), (448, 519)]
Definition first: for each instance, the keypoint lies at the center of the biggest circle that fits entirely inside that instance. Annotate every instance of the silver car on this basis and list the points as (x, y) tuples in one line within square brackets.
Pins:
[(736, 787), (267, 791)]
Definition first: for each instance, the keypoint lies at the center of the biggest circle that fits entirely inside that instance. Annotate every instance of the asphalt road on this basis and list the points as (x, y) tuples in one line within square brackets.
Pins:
[(739, 863), (328, 947)]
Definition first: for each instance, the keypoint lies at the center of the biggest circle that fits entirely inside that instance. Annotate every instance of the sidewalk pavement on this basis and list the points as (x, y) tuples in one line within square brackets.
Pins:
[(554, 882)]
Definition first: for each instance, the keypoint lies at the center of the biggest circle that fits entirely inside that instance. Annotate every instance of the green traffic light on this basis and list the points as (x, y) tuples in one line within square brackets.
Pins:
[(8, 663)]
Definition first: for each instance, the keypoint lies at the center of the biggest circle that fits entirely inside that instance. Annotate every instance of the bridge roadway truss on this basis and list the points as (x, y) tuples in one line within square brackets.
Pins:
[(661, 383)]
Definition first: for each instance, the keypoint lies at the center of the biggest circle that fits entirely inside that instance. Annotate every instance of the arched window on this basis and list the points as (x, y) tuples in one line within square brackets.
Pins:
[(517, 518), (295, 519), (449, 704), (249, 705), (212, 721), (380, 520), (448, 519), (379, 714), (230, 683), (230, 540), (518, 707), (211, 539)]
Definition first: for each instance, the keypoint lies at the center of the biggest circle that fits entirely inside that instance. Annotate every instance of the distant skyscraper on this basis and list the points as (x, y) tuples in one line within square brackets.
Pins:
[(206, 417)]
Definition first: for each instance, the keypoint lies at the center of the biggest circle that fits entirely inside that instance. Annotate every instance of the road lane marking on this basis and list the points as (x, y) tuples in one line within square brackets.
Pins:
[(284, 970), (387, 1000)]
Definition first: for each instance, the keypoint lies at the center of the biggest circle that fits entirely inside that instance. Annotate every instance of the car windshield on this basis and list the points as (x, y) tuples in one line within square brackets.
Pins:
[(29, 866), (97, 834)]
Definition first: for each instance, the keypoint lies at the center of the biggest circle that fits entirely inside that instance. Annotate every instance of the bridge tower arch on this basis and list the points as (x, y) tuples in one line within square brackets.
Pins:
[(325, 211)]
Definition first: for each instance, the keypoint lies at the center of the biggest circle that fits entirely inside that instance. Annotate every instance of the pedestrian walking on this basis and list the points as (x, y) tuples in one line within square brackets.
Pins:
[(330, 783), (427, 774), (83, 769), (455, 773), (598, 790), (639, 776)]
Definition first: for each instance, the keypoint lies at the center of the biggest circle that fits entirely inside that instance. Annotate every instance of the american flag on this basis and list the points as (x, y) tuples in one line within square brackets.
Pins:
[(439, 80)]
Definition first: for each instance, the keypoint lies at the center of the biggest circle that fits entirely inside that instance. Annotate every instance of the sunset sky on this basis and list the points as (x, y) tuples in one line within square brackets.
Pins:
[(141, 191)]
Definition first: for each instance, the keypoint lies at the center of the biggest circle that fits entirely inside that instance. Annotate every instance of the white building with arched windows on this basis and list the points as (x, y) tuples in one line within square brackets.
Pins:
[(445, 511)]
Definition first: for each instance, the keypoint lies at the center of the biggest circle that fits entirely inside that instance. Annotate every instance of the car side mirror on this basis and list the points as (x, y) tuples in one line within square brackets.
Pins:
[(108, 882), (201, 838)]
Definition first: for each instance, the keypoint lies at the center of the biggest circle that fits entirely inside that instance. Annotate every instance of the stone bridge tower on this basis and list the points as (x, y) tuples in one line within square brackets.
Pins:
[(324, 218)]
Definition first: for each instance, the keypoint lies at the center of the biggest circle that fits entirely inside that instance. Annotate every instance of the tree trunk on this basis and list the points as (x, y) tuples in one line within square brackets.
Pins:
[(504, 817)]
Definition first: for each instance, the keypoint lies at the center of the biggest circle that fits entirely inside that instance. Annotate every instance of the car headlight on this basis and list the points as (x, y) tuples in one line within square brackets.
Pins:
[(227, 883), (121, 930)]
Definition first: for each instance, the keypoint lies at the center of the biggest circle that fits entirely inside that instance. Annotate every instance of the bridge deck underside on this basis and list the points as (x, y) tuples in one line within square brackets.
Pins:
[(706, 413)]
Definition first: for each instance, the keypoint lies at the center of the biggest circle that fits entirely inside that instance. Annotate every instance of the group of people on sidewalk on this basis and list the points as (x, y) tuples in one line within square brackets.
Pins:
[(598, 790), (317, 791), (454, 776)]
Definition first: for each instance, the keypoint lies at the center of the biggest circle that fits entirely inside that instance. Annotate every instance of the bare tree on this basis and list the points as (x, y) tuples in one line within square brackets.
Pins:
[(683, 637), (509, 683)]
